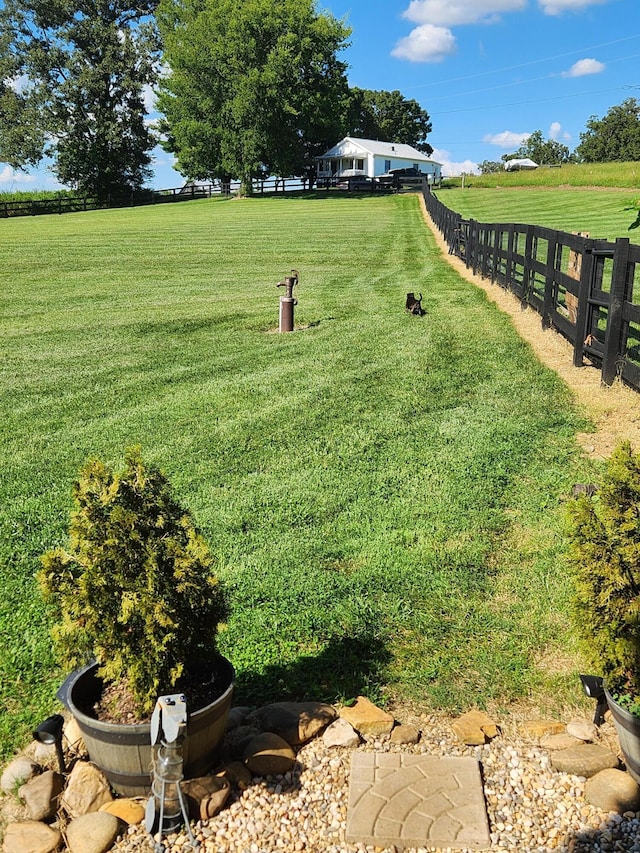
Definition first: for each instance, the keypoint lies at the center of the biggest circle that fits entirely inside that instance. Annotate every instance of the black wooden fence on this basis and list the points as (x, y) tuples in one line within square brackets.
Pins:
[(584, 288), (135, 198)]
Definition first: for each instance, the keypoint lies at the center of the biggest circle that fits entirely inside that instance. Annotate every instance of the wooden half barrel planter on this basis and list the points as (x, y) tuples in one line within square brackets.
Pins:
[(628, 730), (123, 751)]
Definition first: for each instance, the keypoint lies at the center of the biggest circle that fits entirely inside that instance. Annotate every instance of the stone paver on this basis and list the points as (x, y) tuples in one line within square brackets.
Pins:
[(416, 801)]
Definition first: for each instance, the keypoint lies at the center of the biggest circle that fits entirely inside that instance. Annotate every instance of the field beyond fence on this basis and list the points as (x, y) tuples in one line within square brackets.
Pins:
[(582, 287)]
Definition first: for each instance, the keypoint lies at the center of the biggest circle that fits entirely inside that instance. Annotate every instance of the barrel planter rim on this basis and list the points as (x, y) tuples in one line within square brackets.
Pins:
[(138, 735), (627, 726)]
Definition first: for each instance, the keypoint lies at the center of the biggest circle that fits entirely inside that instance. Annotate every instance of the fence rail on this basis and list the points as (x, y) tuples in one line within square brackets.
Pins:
[(136, 198), (582, 287)]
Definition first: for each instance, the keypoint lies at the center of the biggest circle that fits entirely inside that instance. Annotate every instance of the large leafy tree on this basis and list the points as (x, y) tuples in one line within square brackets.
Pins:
[(254, 87), (389, 117), (74, 75), (614, 137), (544, 152)]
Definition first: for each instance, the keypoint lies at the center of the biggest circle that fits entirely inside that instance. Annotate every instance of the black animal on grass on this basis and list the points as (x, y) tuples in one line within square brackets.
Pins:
[(414, 304)]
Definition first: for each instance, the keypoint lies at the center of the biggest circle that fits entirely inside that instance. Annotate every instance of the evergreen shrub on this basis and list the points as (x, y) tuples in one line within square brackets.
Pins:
[(604, 532), (135, 589)]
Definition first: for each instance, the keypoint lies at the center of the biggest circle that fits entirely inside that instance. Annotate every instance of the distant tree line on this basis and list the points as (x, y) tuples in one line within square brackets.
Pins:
[(245, 88), (616, 137)]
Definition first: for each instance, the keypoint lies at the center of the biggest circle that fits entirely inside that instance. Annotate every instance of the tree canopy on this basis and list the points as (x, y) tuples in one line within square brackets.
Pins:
[(544, 152), (73, 75), (389, 117), (253, 88), (614, 137)]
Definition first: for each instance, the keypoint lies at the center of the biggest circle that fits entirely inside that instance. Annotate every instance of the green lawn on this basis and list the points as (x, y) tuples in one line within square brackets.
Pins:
[(598, 211), (383, 492)]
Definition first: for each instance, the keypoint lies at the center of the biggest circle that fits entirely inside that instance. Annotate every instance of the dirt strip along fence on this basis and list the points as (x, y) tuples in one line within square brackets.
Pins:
[(136, 198), (582, 287)]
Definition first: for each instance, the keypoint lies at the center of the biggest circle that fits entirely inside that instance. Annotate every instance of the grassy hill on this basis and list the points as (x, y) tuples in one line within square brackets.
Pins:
[(593, 198), (383, 492), (615, 175)]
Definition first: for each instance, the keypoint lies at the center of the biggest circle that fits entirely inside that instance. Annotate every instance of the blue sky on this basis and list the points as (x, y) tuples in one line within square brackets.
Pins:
[(488, 72)]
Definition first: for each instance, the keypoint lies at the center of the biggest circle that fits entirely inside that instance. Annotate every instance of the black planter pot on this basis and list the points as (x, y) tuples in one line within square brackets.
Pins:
[(628, 731), (123, 752)]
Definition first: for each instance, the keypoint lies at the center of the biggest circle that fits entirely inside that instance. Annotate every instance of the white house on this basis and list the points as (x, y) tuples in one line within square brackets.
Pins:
[(352, 157)]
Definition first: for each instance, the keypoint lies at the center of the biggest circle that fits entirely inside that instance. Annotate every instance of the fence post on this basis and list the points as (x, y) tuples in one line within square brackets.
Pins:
[(526, 268), (613, 334), (473, 237), (508, 267), (584, 292), (550, 284)]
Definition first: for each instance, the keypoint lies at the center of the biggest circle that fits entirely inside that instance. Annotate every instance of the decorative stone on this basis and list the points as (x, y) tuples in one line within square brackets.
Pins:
[(367, 719), (540, 728), (269, 754), (613, 791), (586, 760), (17, 772), (92, 833), (73, 736), (87, 789), (211, 805), (295, 722), (559, 741), (31, 836), (235, 741), (237, 716), (44, 754), (405, 735), (41, 795), (474, 728), (238, 774), (205, 795), (583, 730), (125, 809), (340, 733)]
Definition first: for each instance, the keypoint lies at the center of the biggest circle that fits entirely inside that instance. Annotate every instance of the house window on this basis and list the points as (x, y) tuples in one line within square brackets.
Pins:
[(359, 164), (416, 166), (387, 165)]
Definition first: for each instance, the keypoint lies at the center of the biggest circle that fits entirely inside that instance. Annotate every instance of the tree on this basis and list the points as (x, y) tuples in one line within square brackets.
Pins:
[(544, 152), (254, 87), (488, 167), (74, 74), (614, 137), (389, 117)]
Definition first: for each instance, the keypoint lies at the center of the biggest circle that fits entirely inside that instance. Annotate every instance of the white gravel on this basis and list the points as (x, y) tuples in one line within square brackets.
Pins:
[(531, 807)]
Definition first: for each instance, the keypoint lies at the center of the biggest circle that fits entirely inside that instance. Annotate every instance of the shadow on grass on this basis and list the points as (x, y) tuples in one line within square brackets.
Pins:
[(346, 668)]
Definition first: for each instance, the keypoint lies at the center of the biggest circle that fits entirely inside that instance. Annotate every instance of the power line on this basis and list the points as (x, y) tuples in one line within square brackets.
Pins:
[(528, 101), (519, 82), (475, 75)]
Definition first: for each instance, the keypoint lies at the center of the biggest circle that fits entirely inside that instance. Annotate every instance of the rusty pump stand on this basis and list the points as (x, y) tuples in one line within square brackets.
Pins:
[(287, 302)]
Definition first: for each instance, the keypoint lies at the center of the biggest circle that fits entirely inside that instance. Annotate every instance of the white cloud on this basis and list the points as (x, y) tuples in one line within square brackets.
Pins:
[(11, 176), (149, 98), (19, 84), (426, 44), (449, 13), (451, 169), (583, 67), (506, 139), (557, 7), (554, 130)]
